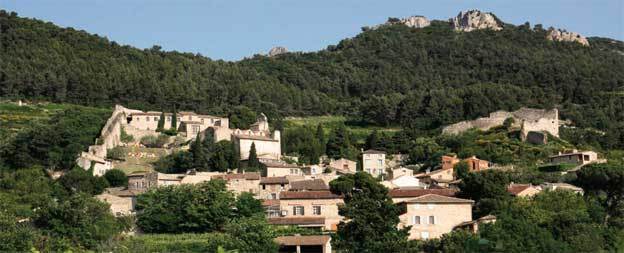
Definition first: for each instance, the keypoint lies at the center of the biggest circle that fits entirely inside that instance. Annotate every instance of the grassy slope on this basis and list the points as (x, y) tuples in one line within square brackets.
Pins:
[(331, 122)]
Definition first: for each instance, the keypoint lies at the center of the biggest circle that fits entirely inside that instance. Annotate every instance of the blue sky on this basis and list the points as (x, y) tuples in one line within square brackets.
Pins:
[(233, 29)]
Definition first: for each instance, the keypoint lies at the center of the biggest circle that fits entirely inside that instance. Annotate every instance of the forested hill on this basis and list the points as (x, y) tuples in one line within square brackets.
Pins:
[(422, 78)]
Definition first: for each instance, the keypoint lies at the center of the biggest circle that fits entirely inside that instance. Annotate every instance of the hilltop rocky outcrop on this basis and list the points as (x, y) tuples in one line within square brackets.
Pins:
[(474, 19), (562, 35), (413, 21), (277, 51)]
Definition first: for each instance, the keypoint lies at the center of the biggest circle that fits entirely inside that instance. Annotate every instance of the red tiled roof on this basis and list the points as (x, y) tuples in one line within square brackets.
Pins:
[(297, 221), (247, 176), (305, 240), (309, 195), (372, 151), (407, 193), (273, 180), (279, 164), (434, 198), (515, 189), (309, 185)]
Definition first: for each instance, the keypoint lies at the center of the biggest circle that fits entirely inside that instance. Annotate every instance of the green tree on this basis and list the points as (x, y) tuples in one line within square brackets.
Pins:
[(199, 152), (81, 219), (80, 180), (253, 164), (371, 214), (174, 119), (13, 236), (488, 189), (372, 140), (204, 207), (247, 205), (116, 178), (255, 234), (339, 144), (461, 169), (224, 156), (161, 122), (605, 182), (320, 136)]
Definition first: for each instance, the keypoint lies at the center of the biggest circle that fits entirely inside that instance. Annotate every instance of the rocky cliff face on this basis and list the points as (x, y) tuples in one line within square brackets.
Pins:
[(475, 19), (413, 21), (559, 35), (277, 51)]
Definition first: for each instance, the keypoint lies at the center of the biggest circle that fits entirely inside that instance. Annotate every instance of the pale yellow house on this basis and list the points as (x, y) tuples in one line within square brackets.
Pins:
[(374, 162), (431, 216)]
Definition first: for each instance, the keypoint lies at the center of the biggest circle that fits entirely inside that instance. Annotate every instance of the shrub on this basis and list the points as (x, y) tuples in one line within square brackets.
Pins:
[(152, 141), (125, 137), (170, 132), (116, 153), (556, 167), (116, 178)]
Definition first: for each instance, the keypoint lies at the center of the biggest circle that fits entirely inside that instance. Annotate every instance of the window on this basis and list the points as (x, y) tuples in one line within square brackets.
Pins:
[(146, 118), (416, 220), (138, 118), (316, 210), (264, 187), (155, 118), (432, 220), (424, 235), (195, 130), (168, 118), (273, 195), (202, 121), (380, 161), (313, 171), (298, 210)]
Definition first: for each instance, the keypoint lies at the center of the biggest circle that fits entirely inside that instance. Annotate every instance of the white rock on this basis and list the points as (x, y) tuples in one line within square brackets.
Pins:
[(277, 51), (559, 35), (415, 21), (474, 20)]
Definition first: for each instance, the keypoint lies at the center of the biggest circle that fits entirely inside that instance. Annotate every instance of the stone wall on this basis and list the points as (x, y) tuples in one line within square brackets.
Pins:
[(527, 119), (109, 138)]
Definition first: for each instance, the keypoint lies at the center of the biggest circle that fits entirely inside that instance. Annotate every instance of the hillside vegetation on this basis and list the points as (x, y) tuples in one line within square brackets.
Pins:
[(393, 75)]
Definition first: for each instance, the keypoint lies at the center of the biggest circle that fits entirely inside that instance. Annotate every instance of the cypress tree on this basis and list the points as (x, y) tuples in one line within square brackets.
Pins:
[(199, 154), (372, 141), (161, 122), (253, 164), (174, 119), (320, 135)]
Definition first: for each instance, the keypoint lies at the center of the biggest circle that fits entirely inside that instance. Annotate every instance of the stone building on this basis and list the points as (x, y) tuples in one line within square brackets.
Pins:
[(309, 209), (575, 157), (276, 168), (343, 166), (431, 216), (523, 190), (374, 162), (241, 182), (525, 119), (270, 187)]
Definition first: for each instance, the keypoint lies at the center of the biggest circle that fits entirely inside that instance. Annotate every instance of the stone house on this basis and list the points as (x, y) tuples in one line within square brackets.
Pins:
[(270, 187), (401, 194), (431, 216), (562, 187), (400, 172), (312, 170), (309, 185), (575, 157), (374, 162), (275, 168), (188, 123), (304, 243), (441, 177), (121, 200), (343, 166), (404, 181), (448, 162), (309, 208), (475, 164), (523, 190), (241, 182)]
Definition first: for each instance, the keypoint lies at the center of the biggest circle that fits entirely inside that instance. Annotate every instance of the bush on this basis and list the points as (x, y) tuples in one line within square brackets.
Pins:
[(556, 167), (152, 141), (125, 137), (116, 153), (80, 180), (116, 178), (170, 132)]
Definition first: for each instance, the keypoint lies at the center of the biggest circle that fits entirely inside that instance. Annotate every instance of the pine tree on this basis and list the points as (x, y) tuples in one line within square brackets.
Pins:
[(372, 141), (199, 155), (161, 122), (339, 144)]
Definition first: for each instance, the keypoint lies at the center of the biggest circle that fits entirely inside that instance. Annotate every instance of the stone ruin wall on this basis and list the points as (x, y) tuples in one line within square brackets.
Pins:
[(525, 118), (110, 136)]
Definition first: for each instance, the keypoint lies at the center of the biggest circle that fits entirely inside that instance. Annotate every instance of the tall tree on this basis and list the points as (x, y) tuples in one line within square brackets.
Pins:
[(339, 144), (372, 140), (174, 119), (161, 122), (253, 164), (200, 157), (606, 183), (371, 216), (320, 135)]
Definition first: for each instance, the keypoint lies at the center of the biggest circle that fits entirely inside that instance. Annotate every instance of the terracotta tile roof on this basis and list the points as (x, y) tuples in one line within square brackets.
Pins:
[(308, 195), (270, 202), (407, 193), (515, 189), (372, 151), (247, 176), (273, 180), (297, 221), (309, 185), (302, 240), (434, 198), (279, 164)]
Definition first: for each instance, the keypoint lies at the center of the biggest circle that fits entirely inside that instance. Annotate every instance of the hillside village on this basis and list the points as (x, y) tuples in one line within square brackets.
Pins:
[(299, 194), (509, 177)]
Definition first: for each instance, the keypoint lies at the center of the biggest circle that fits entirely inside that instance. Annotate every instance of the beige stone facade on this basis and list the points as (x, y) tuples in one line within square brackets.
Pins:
[(575, 157), (374, 162), (432, 216), (525, 119), (344, 166), (311, 204)]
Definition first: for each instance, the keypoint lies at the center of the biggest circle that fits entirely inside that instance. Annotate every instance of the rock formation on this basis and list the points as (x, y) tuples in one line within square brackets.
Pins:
[(560, 35), (475, 19), (277, 51), (413, 21)]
